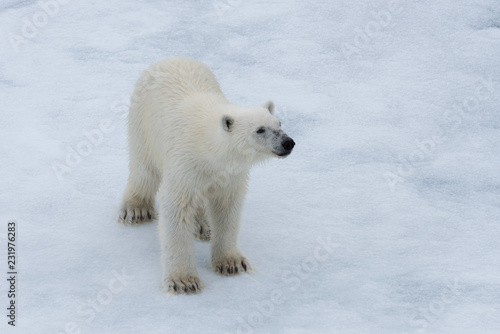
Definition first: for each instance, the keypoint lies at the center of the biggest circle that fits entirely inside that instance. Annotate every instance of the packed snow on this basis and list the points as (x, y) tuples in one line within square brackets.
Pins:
[(384, 219)]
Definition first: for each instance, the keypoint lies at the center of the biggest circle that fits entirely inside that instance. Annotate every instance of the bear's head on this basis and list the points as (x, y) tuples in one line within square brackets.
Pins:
[(256, 133)]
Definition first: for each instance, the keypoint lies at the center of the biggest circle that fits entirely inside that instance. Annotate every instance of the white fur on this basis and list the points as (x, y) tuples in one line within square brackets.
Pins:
[(179, 144)]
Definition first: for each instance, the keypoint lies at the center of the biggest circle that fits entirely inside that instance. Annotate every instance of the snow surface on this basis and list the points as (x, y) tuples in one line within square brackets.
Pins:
[(394, 106)]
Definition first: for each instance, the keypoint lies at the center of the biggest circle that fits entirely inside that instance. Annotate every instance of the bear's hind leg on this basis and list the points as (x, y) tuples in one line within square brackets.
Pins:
[(139, 197)]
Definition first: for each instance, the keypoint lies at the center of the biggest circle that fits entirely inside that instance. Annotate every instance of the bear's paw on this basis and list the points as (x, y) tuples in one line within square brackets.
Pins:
[(232, 265), (182, 284), (202, 230), (136, 215)]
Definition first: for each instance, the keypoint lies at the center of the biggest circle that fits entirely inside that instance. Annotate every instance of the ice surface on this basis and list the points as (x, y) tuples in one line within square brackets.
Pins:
[(385, 219)]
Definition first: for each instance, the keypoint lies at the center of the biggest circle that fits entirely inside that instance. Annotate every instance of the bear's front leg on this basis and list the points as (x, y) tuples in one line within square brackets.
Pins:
[(176, 227), (226, 257)]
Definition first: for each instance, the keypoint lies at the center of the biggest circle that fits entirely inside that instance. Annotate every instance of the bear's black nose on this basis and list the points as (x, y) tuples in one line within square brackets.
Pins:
[(288, 144)]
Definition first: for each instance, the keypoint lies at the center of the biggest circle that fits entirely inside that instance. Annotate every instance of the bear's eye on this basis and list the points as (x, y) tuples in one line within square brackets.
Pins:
[(261, 130)]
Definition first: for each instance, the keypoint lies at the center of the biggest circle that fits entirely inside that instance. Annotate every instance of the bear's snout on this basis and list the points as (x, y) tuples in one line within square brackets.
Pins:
[(287, 144)]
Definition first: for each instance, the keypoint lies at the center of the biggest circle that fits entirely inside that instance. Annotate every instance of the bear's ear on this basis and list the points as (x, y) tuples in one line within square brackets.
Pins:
[(269, 105), (227, 123)]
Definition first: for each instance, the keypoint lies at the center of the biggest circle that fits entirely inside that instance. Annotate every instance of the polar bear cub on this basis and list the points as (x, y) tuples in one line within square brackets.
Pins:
[(189, 142)]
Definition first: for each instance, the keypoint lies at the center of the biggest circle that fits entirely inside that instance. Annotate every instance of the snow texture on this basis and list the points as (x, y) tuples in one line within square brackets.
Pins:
[(385, 218)]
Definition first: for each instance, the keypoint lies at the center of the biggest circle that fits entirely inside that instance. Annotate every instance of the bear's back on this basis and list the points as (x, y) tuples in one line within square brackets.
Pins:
[(184, 77)]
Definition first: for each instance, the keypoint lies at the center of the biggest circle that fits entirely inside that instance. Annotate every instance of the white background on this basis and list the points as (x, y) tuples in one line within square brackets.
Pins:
[(394, 106)]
